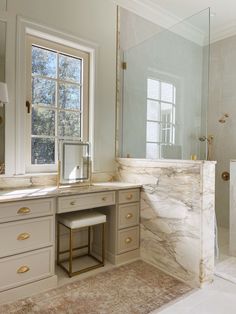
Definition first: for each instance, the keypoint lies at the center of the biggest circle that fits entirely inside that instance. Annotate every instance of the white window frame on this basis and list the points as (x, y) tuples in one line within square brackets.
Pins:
[(24, 27), (160, 122), (46, 44)]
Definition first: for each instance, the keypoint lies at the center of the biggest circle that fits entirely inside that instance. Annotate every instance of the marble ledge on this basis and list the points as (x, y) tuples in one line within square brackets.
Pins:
[(52, 191), (150, 163)]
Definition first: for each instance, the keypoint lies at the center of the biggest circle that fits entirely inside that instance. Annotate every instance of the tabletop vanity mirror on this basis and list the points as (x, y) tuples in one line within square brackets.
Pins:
[(74, 163)]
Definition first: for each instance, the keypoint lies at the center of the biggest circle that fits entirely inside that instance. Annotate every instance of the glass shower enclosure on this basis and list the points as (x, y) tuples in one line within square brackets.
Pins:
[(164, 88)]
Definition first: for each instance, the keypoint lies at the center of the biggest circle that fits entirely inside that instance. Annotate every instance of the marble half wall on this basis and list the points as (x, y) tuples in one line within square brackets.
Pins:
[(177, 215)]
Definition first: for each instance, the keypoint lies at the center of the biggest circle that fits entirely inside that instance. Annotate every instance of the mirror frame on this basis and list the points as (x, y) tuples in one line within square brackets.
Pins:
[(62, 162)]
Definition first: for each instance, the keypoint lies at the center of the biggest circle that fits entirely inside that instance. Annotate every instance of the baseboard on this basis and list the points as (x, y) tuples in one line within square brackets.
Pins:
[(28, 290), (123, 258)]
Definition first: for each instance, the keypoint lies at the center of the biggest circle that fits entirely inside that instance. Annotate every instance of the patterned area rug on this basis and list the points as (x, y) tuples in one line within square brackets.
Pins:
[(130, 289)]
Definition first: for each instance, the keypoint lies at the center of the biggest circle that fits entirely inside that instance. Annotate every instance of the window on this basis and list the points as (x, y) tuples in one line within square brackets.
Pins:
[(160, 130), (57, 90)]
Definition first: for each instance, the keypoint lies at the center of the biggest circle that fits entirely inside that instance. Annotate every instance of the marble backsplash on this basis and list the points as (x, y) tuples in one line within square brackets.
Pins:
[(27, 181), (177, 215)]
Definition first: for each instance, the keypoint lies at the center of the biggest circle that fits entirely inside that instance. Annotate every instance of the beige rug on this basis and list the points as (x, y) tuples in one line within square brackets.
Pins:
[(130, 289)]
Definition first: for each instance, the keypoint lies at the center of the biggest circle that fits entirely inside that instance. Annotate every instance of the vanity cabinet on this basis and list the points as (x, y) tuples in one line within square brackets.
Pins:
[(123, 227), (27, 241)]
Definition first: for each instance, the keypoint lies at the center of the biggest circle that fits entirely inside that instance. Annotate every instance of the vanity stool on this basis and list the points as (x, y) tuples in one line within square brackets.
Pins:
[(75, 221)]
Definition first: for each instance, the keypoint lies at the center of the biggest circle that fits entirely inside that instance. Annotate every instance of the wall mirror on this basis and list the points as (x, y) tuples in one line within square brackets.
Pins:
[(74, 162), (2, 79)]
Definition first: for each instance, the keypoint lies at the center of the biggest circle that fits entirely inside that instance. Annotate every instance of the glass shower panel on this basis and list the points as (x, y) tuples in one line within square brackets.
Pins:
[(165, 92)]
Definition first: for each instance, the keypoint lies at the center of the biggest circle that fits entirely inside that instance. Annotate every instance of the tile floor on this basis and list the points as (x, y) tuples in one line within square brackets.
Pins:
[(217, 298)]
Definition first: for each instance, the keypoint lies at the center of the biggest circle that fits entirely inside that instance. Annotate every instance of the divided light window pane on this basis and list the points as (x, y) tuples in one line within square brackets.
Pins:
[(43, 151), (153, 131), (69, 68), (43, 122), (153, 110), (167, 92), (152, 150), (153, 89), (69, 124), (69, 96), (43, 91), (44, 62)]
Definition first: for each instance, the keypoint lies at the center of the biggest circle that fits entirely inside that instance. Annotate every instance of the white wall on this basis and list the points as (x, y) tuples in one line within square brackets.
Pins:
[(222, 99), (90, 20)]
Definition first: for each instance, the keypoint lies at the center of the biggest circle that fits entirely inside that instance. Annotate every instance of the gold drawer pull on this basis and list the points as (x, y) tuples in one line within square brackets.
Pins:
[(128, 240), (23, 236), (129, 197), (73, 203), (23, 269), (129, 215), (104, 198), (23, 210)]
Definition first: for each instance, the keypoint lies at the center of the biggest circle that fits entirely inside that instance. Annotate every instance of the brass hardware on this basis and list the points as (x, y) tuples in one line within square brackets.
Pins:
[(128, 240), (23, 210), (73, 203), (193, 157), (23, 269), (28, 106), (224, 118), (225, 176), (23, 236), (104, 198), (71, 249), (124, 66), (129, 197), (129, 215)]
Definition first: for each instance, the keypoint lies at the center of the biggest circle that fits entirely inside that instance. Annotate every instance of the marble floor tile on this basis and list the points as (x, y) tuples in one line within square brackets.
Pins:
[(216, 298)]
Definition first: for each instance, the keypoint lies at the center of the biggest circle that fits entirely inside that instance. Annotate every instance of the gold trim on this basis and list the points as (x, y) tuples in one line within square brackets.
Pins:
[(24, 210), (23, 236)]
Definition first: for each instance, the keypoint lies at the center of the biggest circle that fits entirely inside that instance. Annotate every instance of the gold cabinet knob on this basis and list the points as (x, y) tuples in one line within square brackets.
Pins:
[(129, 197), (23, 210), (73, 203), (128, 240), (23, 269), (104, 198), (23, 236), (129, 215), (225, 176)]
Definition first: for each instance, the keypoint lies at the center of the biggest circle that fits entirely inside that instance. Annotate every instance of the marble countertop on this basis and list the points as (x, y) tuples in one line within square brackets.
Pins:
[(53, 191)]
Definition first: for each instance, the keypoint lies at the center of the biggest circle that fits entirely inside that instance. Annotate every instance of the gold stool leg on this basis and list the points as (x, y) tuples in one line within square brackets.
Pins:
[(89, 235), (58, 243), (70, 253), (103, 243)]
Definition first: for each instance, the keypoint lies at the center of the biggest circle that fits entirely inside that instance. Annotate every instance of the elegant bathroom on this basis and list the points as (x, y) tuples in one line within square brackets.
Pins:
[(117, 157)]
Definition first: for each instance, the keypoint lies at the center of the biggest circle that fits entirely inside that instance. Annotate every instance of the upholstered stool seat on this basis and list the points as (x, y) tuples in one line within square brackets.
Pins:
[(75, 221)]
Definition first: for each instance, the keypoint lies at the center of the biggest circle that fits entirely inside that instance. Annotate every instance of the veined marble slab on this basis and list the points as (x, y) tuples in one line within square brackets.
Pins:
[(52, 191), (177, 215)]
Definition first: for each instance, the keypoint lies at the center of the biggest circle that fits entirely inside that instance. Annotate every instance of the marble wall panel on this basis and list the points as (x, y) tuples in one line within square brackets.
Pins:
[(177, 215)]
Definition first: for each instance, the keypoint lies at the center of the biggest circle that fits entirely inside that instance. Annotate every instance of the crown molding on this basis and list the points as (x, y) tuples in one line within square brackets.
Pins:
[(156, 14), (224, 32), (150, 11)]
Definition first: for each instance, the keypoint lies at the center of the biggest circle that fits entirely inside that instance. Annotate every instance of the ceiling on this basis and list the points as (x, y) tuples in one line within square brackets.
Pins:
[(223, 23)]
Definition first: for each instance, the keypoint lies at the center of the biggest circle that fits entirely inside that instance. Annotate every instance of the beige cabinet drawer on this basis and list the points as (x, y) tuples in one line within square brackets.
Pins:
[(25, 268), (85, 201), (128, 240), (26, 235), (128, 196), (26, 209), (128, 215)]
